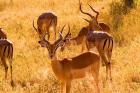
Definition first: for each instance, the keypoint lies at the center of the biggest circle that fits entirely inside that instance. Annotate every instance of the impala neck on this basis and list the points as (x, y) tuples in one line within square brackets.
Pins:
[(57, 67)]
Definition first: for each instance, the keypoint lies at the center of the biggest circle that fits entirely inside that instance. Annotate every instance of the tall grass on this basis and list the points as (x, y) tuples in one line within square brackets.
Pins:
[(31, 67)]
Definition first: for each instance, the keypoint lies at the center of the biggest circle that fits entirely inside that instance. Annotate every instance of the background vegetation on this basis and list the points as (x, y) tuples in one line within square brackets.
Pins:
[(31, 66)]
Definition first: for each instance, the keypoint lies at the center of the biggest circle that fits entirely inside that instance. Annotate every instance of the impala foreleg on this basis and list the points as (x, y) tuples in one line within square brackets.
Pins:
[(68, 86), (63, 87), (95, 74)]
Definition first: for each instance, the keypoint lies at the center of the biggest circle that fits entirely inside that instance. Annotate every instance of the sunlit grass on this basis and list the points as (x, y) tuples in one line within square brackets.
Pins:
[(31, 66)]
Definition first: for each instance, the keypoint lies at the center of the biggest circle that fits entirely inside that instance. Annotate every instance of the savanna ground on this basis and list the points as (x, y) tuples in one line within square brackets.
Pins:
[(31, 66)]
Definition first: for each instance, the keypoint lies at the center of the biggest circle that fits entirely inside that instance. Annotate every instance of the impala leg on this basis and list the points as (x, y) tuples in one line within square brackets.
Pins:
[(87, 46), (63, 87), (68, 86), (12, 82), (48, 35), (104, 58), (5, 66), (95, 74), (109, 64), (82, 47), (109, 54), (83, 43)]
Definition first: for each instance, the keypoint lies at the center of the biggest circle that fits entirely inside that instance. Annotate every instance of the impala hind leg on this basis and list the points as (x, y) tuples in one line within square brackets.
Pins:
[(48, 33), (5, 66), (109, 55), (11, 71), (107, 63)]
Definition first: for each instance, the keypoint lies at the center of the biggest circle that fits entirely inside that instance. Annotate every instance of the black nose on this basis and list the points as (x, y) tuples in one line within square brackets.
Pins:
[(39, 41)]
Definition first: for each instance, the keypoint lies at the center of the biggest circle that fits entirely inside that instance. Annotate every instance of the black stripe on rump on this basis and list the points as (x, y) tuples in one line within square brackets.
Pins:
[(9, 48), (104, 44), (4, 52)]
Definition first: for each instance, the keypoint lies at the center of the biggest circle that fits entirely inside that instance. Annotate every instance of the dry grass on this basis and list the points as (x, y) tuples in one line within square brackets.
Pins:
[(31, 66)]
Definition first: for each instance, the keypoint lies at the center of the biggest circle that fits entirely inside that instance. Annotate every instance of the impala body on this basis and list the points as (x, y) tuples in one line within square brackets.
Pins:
[(68, 69), (44, 23), (77, 67), (6, 53)]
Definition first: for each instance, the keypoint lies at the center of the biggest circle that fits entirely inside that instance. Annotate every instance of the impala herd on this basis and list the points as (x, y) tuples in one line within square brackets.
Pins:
[(93, 35)]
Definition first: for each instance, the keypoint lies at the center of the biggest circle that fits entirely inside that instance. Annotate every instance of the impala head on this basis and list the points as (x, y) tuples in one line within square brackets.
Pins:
[(93, 23), (53, 47)]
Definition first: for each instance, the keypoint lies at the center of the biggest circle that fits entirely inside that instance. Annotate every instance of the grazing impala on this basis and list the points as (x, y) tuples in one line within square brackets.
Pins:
[(6, 52), (2, 34), (68, 69), (45, 22)]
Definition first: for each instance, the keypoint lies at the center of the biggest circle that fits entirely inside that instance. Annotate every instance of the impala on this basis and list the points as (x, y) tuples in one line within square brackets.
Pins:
[(103, 41), (6, 52), (89, 38), (68, 69), (2, 34), (44, 23)]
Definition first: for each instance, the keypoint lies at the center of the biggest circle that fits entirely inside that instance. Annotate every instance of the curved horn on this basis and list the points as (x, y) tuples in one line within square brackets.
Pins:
[(97, 13), (80, 7), (68, 32), (62, 29), (34, 26), (60, 33)]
